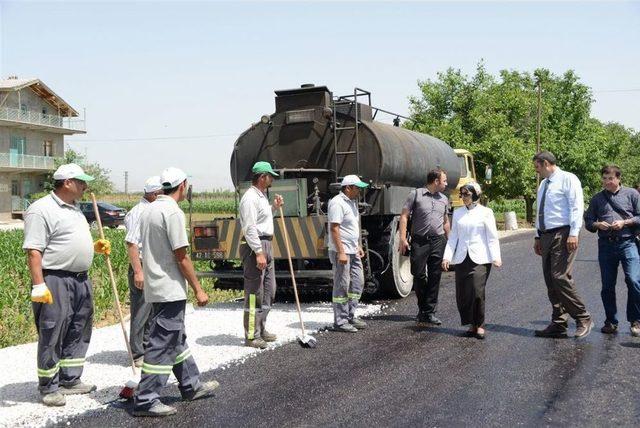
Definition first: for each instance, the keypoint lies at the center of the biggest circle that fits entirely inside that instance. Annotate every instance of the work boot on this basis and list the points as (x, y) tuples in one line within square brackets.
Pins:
[(358, 323), (635, 328), (345, 328), (552, 330), (206, 390), (54, 399), (268, 337), (78, 388), (156, 410), (609, 328), (583, 328), (256, 343)]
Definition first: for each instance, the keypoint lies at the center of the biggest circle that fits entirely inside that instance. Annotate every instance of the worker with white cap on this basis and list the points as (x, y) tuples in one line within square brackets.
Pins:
[(345, 253), (60, 250), (140, 310), (167, 268)]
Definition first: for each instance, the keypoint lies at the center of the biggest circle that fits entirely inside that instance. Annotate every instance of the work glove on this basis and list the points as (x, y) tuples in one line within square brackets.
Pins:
[(102, 246), (41, 294)]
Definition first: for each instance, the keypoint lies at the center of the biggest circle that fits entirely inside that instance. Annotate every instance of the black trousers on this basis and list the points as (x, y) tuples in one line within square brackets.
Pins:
[(471, 279), (426, 259)]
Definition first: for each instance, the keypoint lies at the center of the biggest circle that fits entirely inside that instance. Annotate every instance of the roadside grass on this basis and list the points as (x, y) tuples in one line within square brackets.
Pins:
[(214, 202), (16, 317)]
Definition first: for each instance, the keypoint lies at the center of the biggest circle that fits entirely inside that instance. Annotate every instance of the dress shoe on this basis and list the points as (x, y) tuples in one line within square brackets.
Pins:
[(609, 328), (635, 328), (583, 328), (552, 330), (268, 337), (432, 319)]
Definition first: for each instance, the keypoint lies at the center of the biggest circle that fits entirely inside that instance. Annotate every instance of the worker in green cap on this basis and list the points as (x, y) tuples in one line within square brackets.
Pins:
[(256, 220)]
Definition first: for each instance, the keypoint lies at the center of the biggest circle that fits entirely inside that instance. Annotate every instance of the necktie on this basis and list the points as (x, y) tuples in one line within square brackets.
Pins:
[(543, 198)]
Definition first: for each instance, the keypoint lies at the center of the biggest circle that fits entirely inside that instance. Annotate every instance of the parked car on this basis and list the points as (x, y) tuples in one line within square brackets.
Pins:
[(110, 215)]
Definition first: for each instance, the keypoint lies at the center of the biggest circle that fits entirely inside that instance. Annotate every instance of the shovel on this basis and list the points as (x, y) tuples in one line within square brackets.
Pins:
[(306, 340)]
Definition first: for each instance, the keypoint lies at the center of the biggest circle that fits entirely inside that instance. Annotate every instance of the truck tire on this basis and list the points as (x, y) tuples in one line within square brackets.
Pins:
[(397, 279)]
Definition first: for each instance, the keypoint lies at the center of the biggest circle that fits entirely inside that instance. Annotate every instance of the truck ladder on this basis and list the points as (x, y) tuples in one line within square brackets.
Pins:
[(347, 100)]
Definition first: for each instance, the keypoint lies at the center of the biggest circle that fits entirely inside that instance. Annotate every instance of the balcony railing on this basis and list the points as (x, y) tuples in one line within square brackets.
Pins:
[(12, 160), (35, 118)]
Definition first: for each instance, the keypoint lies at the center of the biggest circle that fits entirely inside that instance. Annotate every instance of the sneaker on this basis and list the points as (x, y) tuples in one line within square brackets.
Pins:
[(138, 362), (552, 330), (345, 328), (158, 409), (635, 328), (358, 323), (609, 328), (583, 328), (78, 388), (268, 337), (54, 399), (206, 390), (256, 343)]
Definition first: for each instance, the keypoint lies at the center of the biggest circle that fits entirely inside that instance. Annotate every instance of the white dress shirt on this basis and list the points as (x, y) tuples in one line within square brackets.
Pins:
[(564, 203), (256, 217), (473, 232)]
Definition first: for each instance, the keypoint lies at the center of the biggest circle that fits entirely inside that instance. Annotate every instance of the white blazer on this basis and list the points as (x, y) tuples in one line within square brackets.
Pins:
[(473, 231)]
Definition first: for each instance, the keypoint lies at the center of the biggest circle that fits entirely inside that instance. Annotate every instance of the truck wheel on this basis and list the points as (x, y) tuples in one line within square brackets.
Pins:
[(397, 279)]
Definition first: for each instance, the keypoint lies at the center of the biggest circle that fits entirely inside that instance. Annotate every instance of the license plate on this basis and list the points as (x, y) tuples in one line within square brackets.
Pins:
[(208, 255)]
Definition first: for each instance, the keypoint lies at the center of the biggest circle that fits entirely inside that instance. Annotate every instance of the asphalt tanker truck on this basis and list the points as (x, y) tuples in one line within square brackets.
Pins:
[(312, 140)]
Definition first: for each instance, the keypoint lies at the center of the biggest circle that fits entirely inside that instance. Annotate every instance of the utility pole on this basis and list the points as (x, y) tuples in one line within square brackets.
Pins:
[(126, 182)]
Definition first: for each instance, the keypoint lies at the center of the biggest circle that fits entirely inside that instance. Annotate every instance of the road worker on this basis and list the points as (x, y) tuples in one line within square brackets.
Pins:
[(167, 268), (345, 253), (60, 250), (140, 310), (256, 219)]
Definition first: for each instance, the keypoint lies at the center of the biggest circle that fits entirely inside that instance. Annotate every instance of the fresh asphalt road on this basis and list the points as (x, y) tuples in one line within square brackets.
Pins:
[(394, 375)]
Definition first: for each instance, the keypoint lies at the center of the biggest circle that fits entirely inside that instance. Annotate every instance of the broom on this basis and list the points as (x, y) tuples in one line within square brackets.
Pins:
[(127, 391), (306, 340)]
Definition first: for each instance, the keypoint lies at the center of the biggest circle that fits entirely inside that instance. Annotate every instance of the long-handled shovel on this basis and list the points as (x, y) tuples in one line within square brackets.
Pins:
[(306, 340), (127, 391)]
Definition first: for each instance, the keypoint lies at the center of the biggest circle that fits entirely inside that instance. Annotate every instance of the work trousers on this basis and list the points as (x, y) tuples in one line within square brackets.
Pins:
[(259, 289), (64, 329), (610, 255), (348, 282), (166, 352), (140, 318), (471, 279), (557, 267), (426, 260)]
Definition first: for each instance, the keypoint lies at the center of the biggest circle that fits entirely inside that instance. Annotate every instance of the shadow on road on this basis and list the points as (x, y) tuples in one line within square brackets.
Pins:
[(25, 392), (517, 331), (393, 318), (630, 345), (112, 358), (220, 340)]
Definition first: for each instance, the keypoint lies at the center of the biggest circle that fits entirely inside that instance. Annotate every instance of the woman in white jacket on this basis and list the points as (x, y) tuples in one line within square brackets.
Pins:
[(472, 247)]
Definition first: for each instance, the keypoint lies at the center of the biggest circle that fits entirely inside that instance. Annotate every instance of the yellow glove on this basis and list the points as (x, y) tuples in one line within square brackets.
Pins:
[(102, 246), (41, 294)]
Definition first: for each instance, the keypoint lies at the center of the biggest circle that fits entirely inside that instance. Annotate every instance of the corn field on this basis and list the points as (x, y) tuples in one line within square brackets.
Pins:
[(16, 317)]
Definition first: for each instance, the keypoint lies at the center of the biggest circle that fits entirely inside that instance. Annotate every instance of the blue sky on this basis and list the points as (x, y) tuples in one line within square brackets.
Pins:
[(154, 75)]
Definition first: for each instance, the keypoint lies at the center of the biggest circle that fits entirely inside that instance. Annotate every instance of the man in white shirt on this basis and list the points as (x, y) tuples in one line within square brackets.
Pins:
[(167, 269), (140, 310), (560, 208), (256, 220)]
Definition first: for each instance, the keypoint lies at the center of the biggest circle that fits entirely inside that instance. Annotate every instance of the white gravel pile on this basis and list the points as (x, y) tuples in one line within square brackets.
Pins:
[(214, 335)]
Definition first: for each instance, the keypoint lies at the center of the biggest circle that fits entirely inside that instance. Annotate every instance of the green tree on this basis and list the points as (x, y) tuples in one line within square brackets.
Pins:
[(102, 185), (496, 117)]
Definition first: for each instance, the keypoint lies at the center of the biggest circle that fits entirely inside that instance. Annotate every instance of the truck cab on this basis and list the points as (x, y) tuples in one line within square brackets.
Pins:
[(467, 174)]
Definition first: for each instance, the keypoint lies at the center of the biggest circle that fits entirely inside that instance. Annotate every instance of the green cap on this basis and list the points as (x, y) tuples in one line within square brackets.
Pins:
[(263, 167)]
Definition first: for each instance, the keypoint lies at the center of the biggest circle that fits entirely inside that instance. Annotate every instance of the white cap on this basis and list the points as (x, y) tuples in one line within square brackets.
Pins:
[(153, 184), (71, 170), (353, 180), (172, 177)]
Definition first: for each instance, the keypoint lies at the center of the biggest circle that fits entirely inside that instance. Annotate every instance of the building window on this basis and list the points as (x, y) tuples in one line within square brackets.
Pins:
[(15, 188), (47, 148)]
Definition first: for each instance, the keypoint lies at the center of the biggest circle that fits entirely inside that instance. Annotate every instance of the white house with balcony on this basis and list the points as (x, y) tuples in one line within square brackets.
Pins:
[(33, 123)]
